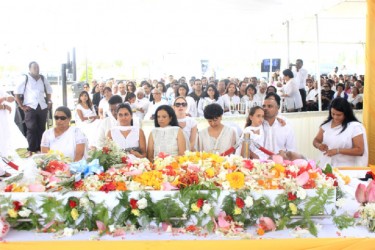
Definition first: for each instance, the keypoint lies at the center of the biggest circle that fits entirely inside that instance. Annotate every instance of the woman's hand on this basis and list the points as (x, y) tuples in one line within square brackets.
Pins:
[(322, 147), (331, 152)]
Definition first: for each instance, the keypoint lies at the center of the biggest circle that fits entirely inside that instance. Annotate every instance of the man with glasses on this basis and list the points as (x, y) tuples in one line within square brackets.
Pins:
[(36, 92), (158, 101), (197, 93)]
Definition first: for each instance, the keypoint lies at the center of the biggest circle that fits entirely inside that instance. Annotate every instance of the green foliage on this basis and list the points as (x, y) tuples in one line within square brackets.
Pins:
[(89, 74), (52, 208), (328, 169), (169, 211), (343, 221)]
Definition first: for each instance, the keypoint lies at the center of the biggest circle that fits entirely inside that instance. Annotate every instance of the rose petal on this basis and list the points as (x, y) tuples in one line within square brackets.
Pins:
[(100, 226), (360, 193), (36, 188), (167, 186), (222, 222), (302, 179), (278, 159)]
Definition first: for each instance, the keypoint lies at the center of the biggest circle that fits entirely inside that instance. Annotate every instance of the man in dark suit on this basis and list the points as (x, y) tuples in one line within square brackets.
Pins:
[(98, 96)]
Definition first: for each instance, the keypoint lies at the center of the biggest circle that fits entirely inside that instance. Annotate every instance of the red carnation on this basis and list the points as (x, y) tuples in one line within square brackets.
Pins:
[(78, 184), (17, 205), (291, 196), (72, 204), (9, 188), (108, 187), (133, 203), (200, 203), (124, 159), (239, 202)]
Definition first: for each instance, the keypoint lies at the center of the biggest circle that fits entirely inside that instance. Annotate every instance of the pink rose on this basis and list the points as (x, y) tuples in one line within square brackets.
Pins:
[(360, 193)]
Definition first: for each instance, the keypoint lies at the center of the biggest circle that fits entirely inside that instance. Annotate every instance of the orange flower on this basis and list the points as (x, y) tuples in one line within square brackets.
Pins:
[(260, 231), (236, 180), (121, 186)]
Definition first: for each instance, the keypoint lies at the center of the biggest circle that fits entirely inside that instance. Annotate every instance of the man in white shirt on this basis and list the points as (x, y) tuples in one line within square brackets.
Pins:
[(122, 91), (108, 122), (276, 135), (36, 91), (300, 76)]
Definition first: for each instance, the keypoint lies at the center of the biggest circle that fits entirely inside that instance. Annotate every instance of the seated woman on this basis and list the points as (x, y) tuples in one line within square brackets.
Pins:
[(211, 95), (251, 99), (64, 138), (86, 117), (217, 138), (129, 138), (188, 124), (183, 90), (231, 97), (342, 138), (167, 136)]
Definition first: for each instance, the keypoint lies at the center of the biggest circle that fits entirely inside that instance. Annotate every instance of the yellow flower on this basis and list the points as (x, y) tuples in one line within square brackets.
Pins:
[(12, 213), (74, 213), (293, 208), (237, 210), (17, 188), (236, 180), (136, 212), (195, 208), (210, 172), (152, 178)]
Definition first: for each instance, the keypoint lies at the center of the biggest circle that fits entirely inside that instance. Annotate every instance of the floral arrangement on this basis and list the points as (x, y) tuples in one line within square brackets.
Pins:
[(366, 197), (212, 193)]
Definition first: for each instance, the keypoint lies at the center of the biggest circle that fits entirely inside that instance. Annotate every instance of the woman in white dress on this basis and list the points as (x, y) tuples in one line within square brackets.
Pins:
[(209, 96), (231, 98), (11, 138), (167, 137), (157, 102), (355, 98), (86, 117), (129, 138), (217, 138), (183, 90), (69, 140), (251, 99), (292, 97), (188, 124), (342, 138)]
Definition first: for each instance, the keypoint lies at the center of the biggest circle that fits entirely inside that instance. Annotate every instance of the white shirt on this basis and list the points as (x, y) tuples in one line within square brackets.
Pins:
[(300, 77), (105, 125), (334, 138), (311, 96), (103, 104), (34, 92), (278, 137), (141, 104), (130, 141), (152, 108), (355, 100), (203, 102), (256, 134), (293, 100)]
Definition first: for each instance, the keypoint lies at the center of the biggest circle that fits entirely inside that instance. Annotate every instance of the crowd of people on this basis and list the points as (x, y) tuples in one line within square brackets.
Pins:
[(113, 110)]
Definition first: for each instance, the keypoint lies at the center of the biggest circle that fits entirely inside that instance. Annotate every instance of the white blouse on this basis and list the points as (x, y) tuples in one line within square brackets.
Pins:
[(165, 140), (128, 142), (65, 143)]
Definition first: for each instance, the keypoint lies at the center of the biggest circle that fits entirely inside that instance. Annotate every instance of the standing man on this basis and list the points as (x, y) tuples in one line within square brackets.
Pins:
[(36, 102), (300, 76)]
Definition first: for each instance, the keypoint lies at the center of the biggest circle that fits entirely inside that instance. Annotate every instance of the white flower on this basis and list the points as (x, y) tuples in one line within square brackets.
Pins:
[(68, 231), (206, 208), (24, 212), (301, 193), (111, 228), (249, 201), (340, 202), (225, 185), (142, 203), (84, 202)]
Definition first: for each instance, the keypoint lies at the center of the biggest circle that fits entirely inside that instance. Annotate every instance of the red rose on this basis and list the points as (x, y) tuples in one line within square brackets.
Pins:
[(330, 175), (133, 203), (124, 159), (9, 188), (239, 202), (17, 205), (72, 204), (291, 196), (200, 203), (108, 187), (78, 184), (105, 150)]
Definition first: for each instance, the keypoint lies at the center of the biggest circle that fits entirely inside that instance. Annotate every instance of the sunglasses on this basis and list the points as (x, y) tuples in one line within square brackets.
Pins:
[(179, 104), (62, 118)]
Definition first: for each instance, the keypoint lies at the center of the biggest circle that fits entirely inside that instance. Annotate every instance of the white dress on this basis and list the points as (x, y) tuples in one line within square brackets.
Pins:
[(152, 108), (65, 143), (11, 137), (256, 134), (334, 139), (203, 102), (89, 127), (190, 123), (293, 100), (222, 143), (165, 140), (131, 141)]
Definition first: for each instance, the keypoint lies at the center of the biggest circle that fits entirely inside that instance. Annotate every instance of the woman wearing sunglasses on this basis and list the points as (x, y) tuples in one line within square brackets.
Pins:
[(129, 138), (188, 124), (167, 137), (191, 109), (69, 140)]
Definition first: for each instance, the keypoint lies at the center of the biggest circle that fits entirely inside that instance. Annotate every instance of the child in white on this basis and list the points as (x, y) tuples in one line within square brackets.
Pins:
[(254, 126)]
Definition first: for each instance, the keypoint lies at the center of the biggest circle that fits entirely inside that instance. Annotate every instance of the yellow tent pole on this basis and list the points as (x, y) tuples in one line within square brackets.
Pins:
[(369, 89)]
